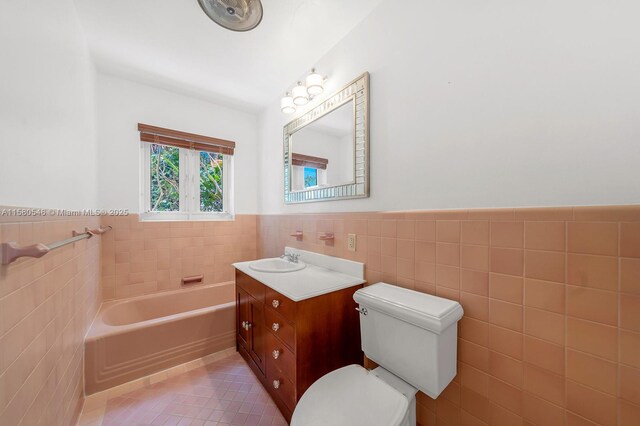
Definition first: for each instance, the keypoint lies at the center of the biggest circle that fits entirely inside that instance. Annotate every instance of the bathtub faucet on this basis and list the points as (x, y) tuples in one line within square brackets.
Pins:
[(291, 257)]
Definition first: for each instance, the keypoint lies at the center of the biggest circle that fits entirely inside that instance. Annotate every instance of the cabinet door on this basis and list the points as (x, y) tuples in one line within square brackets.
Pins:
[(257, 336), (243, 315)]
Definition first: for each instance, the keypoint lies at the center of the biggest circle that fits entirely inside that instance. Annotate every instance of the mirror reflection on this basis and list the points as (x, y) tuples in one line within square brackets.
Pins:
[(323, 151)]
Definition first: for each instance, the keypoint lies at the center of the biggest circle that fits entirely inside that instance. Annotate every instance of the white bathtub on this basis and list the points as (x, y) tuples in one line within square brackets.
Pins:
[(132, 338)]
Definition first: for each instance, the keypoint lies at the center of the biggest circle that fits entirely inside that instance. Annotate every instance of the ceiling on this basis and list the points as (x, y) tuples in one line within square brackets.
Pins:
[(174, 45)]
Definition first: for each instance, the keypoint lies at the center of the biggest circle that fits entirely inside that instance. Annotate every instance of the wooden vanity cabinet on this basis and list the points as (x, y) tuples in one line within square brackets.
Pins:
[(250, 330), (289, 345)]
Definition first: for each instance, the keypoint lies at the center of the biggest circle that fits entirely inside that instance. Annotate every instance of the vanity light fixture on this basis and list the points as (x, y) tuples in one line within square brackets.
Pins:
[(315, 83), (300, 95), (286, 104)]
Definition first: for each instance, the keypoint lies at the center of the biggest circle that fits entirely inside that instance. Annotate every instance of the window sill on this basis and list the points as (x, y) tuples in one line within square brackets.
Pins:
[(184, 217)]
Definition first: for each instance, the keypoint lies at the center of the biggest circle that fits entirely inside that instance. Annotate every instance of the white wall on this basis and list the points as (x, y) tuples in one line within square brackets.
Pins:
[(47, 139), (122, 104), (487, 104)]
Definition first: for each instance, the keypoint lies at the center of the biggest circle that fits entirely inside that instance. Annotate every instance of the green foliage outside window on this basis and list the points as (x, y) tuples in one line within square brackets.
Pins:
[(211, 167), (165, 178)]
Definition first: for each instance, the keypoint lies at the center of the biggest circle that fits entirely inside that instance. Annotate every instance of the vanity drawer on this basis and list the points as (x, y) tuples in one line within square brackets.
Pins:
[(280, 328), (281, 304), (251, 286), (279, 385), (281, 357)]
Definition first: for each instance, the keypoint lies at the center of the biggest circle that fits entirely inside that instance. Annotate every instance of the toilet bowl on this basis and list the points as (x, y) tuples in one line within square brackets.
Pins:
[(357, 397), (413, 337)]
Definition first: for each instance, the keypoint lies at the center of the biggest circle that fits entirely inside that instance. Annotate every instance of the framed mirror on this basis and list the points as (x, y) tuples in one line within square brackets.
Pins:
[(326, 150)]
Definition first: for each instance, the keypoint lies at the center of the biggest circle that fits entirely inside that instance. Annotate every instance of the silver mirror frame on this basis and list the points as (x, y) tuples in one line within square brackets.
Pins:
[(358, 91)]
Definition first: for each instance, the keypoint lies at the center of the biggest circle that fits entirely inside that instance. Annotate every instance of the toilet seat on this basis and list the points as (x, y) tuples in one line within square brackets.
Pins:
[(351, 396)]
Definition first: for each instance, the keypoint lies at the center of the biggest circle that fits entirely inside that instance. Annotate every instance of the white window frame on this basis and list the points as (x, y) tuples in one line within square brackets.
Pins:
[(189, 188)]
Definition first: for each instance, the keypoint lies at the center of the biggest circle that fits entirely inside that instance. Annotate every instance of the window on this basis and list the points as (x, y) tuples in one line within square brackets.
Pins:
[(164, 175), (180, 183), (310, 177), (211, 182)]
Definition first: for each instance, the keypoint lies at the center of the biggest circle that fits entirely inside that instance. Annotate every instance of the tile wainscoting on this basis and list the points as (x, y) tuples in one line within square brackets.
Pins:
[(46, 307), (551, 332), (148, 257)]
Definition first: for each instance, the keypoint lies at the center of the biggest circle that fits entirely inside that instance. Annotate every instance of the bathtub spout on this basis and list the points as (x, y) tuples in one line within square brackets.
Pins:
[(194, 279)]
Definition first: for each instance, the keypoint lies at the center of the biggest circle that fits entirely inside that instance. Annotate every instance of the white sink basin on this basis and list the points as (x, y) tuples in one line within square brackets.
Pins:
[(276, 265)]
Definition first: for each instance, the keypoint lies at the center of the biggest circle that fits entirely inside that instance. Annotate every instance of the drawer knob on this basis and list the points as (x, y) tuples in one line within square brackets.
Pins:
[(275, 303), (275, 353), (276, 384), (275, 326), (246, 325)]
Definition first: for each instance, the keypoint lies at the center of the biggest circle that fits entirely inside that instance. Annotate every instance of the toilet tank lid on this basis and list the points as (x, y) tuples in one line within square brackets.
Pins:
[(433, 313)]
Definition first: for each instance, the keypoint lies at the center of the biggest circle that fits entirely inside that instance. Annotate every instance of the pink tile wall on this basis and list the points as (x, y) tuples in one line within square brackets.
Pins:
[(551, 331), (148, 257), (46, 307)]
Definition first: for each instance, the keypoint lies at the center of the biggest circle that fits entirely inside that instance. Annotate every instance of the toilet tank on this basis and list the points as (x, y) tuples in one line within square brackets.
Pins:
[(411, 334)]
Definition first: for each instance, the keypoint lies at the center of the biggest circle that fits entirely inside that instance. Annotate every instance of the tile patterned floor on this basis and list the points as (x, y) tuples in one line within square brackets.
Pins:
[(222, 393)]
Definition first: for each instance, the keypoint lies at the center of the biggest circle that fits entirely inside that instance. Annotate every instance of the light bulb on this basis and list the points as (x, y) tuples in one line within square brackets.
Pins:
[(286, 104), (314, 83), (300, 95)]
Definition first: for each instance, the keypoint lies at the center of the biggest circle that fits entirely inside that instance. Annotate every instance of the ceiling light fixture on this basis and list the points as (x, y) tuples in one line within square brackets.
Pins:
[(234, 15)]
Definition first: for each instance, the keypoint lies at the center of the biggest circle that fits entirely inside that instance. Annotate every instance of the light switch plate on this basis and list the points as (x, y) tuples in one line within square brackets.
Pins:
[(351, 242)]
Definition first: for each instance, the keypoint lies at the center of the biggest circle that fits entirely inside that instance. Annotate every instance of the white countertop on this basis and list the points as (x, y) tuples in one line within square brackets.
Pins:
[(311, 281)]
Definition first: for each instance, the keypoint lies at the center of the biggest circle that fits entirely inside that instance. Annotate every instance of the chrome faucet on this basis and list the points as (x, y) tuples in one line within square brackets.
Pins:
[(291, 257)]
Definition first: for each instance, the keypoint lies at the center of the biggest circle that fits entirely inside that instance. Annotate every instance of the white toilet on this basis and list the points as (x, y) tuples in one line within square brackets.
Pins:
[(413, 337)]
